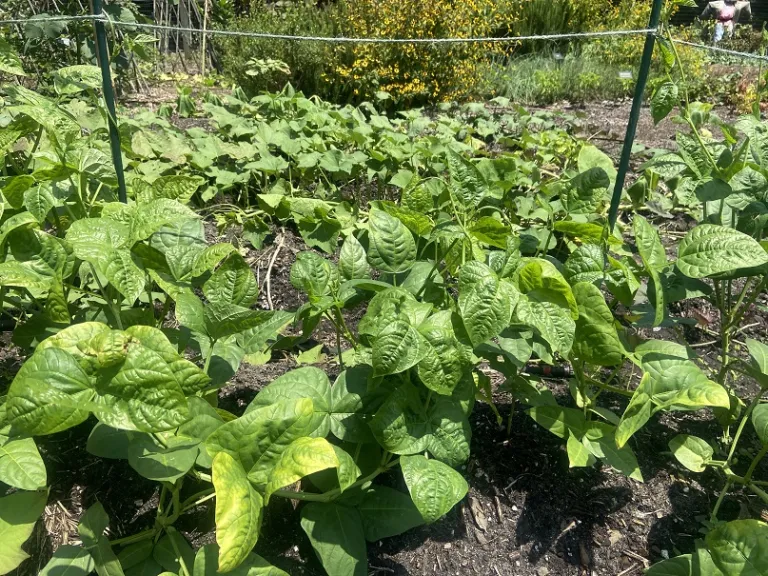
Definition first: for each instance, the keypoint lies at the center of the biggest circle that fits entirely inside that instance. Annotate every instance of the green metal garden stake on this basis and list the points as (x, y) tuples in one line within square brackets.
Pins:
[(634, 115), (102, 55)]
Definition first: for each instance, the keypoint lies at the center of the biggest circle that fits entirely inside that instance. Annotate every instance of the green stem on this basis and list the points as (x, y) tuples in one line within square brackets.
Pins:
[(739, 301), (686, 116), (332, 494), (34, 149), (140, 537), (428, 402), (176, 551), (738, 315), (437, 264), (209, 356), (609, 388), (763, 496), (164, 313), (545, 249), (725, 334), (716, 509), (343, 324), (680, 68), (755, 461), (201, 476), (742, 424), (175, 508), (112, 305), (581, 380), (195, 497), (197, 503), (511, 414)]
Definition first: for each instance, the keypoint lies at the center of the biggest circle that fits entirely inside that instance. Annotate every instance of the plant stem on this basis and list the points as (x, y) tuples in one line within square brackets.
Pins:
[(34, 149), (740, 300), (511, 414), (197, 503), (609, 388), (435, 267), (193, 500), (742, 424), (738, 315), (208, 357), (759, 492), (332, 494), (755, 461), (178, 554), (715, 510), (201, 476), (83, 290), (164, 313), (343, 324), (111, 303), (139, 537)]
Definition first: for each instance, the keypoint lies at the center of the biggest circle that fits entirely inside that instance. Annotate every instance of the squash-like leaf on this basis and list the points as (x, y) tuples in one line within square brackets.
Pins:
[(209, 258), (18, 513), (709, 249), (596, 339), (207, 564), (391, 245), (305, 382), (313, 275), (485, 302), (739, 548), (69, 561), (434, 486), (232, 283), (20, 464), (387, 512), (600, 440), (257, 438), (758, 361), (238, 512), (305, 456), (165, 462), (691, 451), (398, 347), (654, 259), (760, 422), (337, 536), (352, 260), (663, 101)]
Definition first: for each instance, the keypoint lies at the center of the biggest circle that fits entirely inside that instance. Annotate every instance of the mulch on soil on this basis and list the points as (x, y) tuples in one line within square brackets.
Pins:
[(526, 513)]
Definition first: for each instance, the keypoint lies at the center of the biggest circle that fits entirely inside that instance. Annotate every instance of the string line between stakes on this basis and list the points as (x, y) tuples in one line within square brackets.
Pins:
[(330, 39), (721, 50)]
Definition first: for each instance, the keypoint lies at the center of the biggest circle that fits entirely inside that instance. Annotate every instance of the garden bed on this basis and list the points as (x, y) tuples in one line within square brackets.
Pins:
[(527, 513)]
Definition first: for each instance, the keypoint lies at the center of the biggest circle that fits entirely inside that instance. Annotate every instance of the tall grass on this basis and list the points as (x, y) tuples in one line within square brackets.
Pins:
[(544, 77)]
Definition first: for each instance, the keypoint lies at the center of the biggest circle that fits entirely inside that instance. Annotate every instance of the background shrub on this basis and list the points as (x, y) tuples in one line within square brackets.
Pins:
[(417, 73), (309, 62)]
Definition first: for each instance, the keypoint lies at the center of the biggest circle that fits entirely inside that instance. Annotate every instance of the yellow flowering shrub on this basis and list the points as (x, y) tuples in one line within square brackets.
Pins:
[(416, 73)]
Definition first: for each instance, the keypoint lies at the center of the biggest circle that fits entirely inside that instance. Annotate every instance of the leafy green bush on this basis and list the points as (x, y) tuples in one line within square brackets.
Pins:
[(307, 61), (538, 17), (46, 46)]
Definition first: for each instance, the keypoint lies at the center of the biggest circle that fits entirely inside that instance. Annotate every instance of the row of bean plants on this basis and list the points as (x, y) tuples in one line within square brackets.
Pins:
[(475, 237)]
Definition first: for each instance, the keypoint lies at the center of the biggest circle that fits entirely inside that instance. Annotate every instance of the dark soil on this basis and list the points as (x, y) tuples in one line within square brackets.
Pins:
[(526, 514), (605, 124)]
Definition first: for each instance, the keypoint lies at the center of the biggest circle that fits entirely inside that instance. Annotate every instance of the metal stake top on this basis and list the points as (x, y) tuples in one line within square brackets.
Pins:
[(634, 115), (102, 54)]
